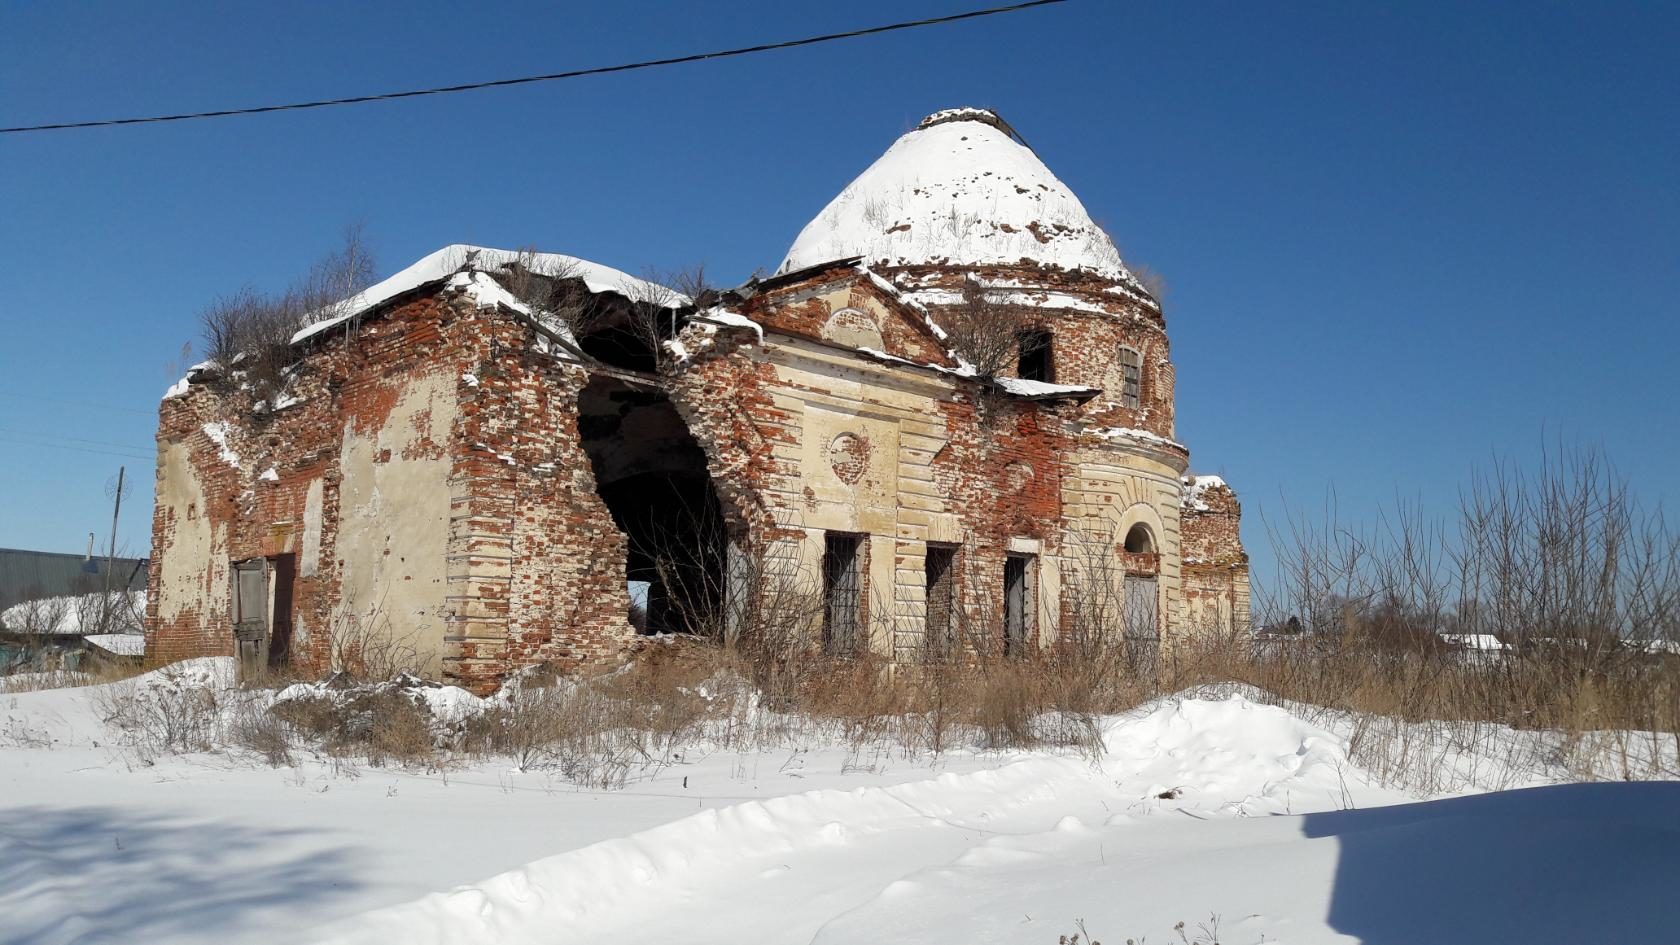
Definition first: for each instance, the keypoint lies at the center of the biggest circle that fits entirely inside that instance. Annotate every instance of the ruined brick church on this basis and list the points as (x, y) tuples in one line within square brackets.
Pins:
[(498, 459)]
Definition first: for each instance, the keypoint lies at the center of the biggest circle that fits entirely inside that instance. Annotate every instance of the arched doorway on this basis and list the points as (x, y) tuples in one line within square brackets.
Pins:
[(651, 473)]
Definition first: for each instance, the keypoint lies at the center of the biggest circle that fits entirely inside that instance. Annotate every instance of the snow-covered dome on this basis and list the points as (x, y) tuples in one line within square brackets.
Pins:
[(961, 189)]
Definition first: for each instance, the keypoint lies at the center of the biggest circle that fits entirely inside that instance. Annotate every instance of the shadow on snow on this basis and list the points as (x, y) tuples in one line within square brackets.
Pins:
[(102, 874), (1566, 864)]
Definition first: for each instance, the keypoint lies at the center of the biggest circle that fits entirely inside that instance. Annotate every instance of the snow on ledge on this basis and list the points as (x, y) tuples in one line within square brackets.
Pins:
[(1197, 486), (1039, 389), (1129, 433), (218, 434), (179, 388), (725, 318)]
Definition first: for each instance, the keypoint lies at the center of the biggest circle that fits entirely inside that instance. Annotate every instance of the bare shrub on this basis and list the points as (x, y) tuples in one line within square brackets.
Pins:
[(172, 711), (385, 724), (248, 333), (42, 617), (552, 287), (1151, 279), (987, 336), (366, 646), (254, 728), (577, 729), (642, 315), (1570, 590)]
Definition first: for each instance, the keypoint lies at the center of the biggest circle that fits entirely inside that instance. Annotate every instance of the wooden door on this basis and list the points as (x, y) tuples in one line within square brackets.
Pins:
[(250, 614)]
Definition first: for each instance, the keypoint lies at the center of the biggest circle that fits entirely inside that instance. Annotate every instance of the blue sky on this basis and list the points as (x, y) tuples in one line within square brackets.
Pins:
[(1400, 239)]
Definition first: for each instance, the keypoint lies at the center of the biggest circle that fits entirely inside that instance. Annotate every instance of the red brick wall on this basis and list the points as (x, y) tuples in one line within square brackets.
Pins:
[(1215, 566), (535, 563)]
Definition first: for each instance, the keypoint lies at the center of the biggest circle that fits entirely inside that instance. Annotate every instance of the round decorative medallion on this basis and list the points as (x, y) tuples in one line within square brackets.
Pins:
[(849, 455), (1016, 476)]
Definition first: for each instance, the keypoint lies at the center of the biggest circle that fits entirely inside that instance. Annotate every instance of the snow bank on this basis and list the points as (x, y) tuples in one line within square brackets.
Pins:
[(1217, 759), (958, 190), (446, 704), (76, 716), (1199, 808)]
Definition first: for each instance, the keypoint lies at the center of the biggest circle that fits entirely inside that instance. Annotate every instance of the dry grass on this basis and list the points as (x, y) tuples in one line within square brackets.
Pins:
[(96, 674), (1569, 696)]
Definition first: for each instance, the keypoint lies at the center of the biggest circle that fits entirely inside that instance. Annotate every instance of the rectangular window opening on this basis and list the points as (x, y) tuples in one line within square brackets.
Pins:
[(842, 592), (1017, 604), (1131, 377), (941, 598), (1035, 363)]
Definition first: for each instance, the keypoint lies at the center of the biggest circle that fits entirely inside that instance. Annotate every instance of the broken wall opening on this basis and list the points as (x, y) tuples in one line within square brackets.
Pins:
[(651, 473)]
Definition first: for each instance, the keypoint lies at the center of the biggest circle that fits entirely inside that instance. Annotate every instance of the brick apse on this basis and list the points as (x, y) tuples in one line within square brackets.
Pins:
[(502, 459)]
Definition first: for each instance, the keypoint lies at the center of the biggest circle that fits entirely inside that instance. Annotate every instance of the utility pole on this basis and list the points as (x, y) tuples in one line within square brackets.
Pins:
[(111, 556)]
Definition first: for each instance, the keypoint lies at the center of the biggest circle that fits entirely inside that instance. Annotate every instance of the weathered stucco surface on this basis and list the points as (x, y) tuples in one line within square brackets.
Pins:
[(189, 581), (393, 517)]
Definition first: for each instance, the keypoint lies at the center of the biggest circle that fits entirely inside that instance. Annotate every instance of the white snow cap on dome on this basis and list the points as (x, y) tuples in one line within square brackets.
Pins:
[(961, 189)]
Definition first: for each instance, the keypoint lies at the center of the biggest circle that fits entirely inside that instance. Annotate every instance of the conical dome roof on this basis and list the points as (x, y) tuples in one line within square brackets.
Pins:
[(962, 189)]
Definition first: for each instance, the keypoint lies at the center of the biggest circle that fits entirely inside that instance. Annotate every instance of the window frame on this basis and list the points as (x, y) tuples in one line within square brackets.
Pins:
[(843, 562), (1035, 348), (1019, 628), (1130, 361), (939, 634)]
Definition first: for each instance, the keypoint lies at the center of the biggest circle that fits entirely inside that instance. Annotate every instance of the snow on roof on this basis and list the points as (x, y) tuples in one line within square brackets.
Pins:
[(64, 615), (469, 268), (122, 644), (959, 190), (460, 257), (1475, 641)]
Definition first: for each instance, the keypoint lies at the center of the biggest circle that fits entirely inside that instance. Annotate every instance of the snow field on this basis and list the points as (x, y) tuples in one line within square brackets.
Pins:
[(1210, 809)]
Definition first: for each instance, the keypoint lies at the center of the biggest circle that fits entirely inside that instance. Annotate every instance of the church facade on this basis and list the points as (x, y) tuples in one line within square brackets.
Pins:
[(944, 425)]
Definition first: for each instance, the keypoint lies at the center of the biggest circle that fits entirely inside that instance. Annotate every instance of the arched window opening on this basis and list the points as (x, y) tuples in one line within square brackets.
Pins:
[(1139, 541)]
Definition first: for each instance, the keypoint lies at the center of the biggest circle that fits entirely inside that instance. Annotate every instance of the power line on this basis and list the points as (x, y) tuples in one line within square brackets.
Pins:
[(12, 431), (87, 404), (77, 449), (552, 77)]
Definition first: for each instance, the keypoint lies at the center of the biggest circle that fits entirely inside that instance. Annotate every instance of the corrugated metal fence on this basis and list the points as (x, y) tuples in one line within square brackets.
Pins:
[(32, 575)]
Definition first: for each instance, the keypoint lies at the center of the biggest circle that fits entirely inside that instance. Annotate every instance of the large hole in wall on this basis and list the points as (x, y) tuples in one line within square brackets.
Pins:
[(651, 473)]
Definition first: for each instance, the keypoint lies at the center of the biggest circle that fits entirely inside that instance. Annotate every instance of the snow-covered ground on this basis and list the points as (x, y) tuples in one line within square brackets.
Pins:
[(1217, 812)]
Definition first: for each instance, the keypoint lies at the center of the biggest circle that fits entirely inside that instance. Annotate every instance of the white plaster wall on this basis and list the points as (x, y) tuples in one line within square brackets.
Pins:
[(393, 520), (193, 577)]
